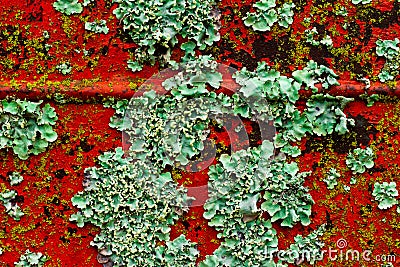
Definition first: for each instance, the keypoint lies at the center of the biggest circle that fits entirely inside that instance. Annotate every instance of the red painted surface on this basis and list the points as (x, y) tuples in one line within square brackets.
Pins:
[(25, 71), (83, 134)]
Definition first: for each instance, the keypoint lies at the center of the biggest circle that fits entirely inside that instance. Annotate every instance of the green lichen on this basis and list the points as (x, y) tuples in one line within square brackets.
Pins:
[(313, 73), (117, 120), (311, 38), (193, 78), (8, 198), (326, 116), (272, 96), (169, 130), (341, 11), (88, 2), (31, 259), (236, 184), (99, 26), (331, 178), (253, 246), (286, 198), (133, 203), (308, 248), (360, 159), (177, 253), (15, 178), (162, 131), (267, 15), (68, 7), (370, 99), (64, 68), (25, 127), (156, 25), (386, 194), (391, 52)]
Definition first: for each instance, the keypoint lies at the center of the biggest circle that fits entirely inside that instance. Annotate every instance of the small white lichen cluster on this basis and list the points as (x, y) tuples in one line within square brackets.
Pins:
[(64, 68), (15, 178), (312, 38)]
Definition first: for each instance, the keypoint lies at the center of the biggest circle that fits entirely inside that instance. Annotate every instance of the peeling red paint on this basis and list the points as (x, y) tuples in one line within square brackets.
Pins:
[(27, 72)]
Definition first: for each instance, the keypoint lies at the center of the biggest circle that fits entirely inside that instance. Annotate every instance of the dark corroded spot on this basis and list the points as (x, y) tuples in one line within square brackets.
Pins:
[(85, 146), (60, 173)]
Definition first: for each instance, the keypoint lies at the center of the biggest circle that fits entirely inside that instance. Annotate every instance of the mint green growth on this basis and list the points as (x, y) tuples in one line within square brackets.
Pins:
[(31, 259), (331, 178), (356, 2), (15, 178), (268, 14), (386, 194), (122, 194), (99, 26), (156, 25), (313, 38), (134, 205), (253, 245), (26, 127), (360, 159), (307, 248), (12, 208), (68, 7), (120, 106), (389, 49), (314, 73)]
